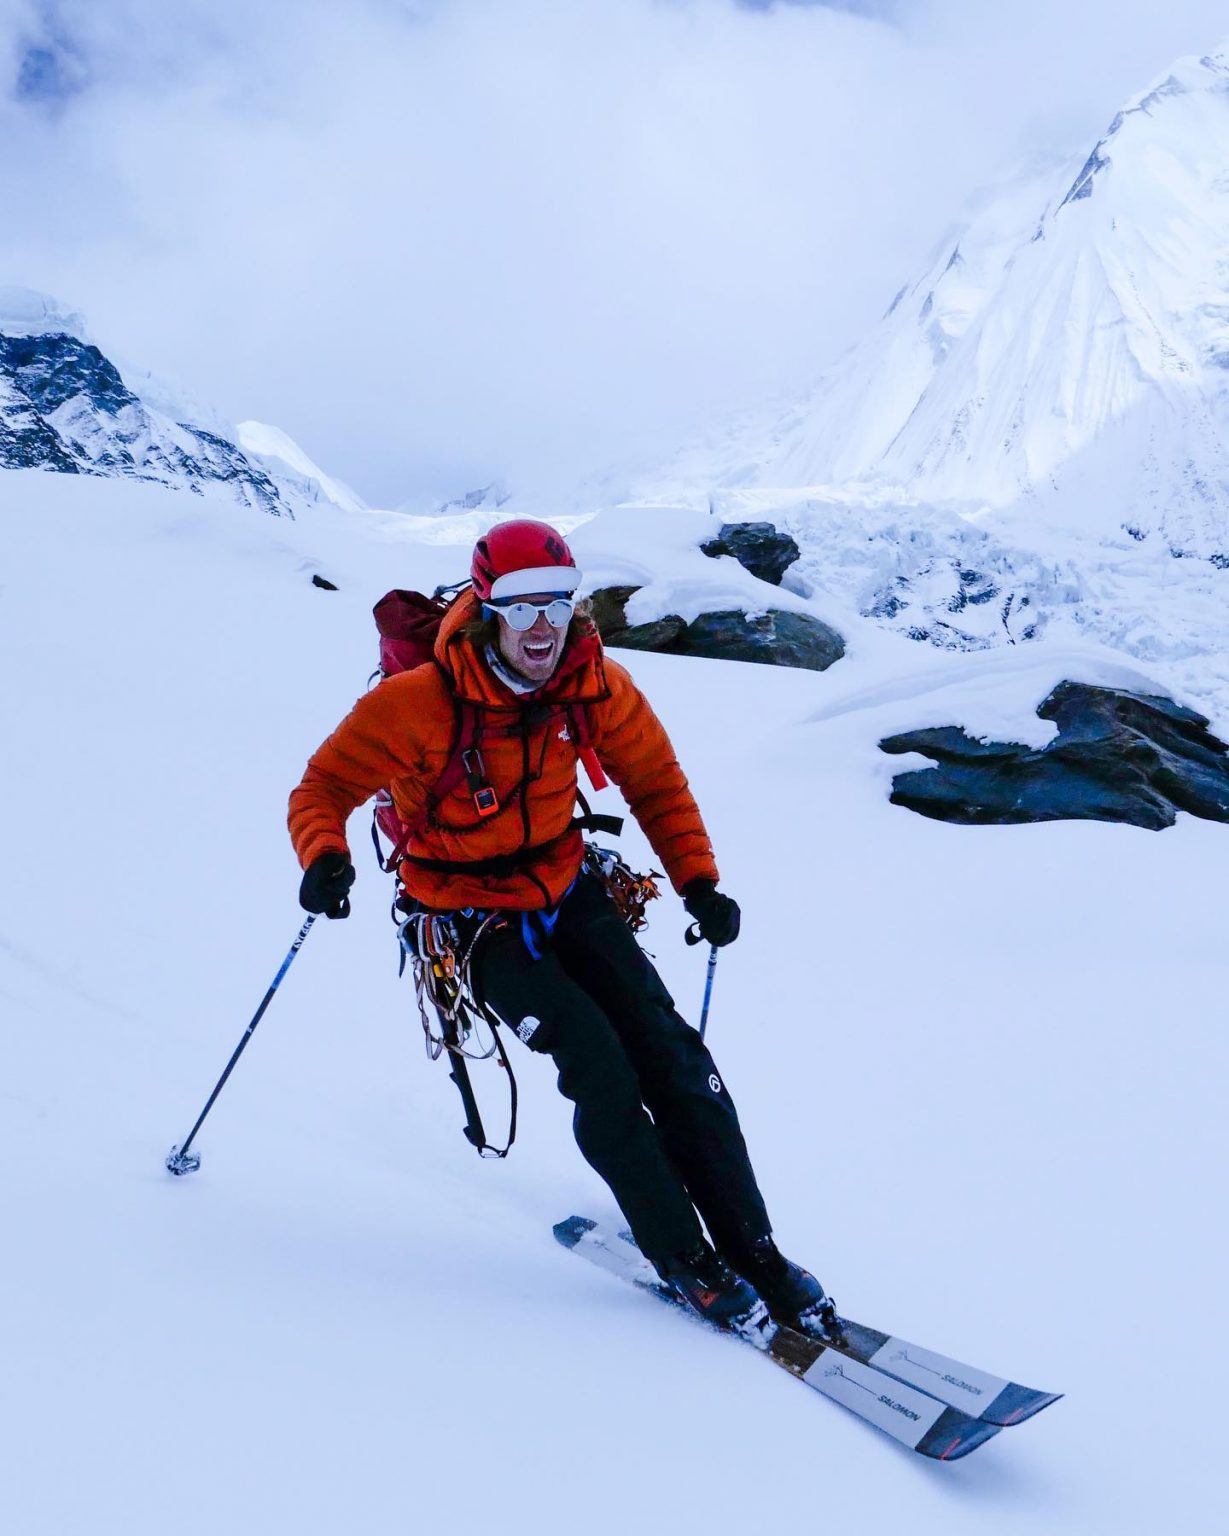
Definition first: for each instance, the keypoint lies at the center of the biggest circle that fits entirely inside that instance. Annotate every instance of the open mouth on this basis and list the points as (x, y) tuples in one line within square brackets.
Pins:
[(538, 650)]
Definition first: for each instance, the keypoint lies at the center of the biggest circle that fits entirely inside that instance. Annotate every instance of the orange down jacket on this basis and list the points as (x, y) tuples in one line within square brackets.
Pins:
[(401, 734)]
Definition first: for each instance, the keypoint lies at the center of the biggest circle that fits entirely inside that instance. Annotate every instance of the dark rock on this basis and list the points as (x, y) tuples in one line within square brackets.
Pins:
[(608, 605), (324, 582), (1118, 756), (27, 442), (222, 460), (757, 547), (776, 638), (659, 635), (1083, 185), (949, 744), (51, 370)]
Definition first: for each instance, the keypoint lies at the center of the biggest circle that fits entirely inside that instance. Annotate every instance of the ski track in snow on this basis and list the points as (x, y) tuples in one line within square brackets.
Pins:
[(980, 1072)]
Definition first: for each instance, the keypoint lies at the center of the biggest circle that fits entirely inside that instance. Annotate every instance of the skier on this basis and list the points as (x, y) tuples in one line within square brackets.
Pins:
[(563, 970)]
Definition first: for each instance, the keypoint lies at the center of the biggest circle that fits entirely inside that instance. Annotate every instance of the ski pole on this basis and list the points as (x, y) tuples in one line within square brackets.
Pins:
[(179, 1160), (708, 989), (694, 936)]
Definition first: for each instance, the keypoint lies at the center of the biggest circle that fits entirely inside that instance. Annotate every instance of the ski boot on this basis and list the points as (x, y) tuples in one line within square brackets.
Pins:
[(710, 1288), (793, 1296)]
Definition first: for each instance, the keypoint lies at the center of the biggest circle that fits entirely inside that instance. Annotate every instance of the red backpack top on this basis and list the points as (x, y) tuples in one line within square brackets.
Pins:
[(408, 623)]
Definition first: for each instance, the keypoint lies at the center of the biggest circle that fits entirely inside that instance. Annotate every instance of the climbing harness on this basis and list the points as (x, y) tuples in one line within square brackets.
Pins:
[(440, 947)]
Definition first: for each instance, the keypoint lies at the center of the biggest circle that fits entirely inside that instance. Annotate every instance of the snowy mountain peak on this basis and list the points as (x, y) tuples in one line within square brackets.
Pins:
[(65, 406), (1036, 434), (1209, 74), (1080, 312)]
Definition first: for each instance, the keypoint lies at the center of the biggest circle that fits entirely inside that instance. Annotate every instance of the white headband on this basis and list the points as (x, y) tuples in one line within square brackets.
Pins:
[(538, 578)]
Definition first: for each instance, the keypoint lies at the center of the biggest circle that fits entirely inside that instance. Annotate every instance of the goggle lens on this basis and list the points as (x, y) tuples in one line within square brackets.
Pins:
[(522, 616)]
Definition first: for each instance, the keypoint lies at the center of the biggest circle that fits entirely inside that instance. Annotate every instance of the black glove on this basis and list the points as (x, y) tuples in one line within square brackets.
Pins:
[(326, 885), (717, 915)]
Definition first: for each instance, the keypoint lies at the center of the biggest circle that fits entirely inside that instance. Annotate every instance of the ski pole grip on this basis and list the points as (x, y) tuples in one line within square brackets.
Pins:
[(693, 935)]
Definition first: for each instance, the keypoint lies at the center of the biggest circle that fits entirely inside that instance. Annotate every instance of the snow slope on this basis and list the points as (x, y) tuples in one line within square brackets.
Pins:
[(281, 455), (979, 1068)]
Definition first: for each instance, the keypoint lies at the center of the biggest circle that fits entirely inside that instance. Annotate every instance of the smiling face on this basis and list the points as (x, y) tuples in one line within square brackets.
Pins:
[(532, 653)]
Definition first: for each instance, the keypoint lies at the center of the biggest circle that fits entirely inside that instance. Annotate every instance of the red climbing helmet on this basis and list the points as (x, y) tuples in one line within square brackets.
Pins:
[(521, 557)]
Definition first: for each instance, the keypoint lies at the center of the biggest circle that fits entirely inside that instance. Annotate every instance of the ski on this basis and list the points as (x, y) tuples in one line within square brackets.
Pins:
[(975, 1392), (915, 1418), (993, 1399)]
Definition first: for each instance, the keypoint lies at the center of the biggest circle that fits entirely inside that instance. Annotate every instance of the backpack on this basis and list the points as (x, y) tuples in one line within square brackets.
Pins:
[(408, 624)]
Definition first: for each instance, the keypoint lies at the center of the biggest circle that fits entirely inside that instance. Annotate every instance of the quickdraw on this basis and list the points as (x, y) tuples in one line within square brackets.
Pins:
[(443, 978)]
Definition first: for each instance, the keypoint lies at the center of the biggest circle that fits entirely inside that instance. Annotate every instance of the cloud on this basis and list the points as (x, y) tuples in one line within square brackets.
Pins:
[(858, 7), (441, 240)]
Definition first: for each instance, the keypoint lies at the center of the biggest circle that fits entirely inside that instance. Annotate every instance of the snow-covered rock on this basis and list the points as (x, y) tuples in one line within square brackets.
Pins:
[(1117, 756), (757, 547), (768, 636)]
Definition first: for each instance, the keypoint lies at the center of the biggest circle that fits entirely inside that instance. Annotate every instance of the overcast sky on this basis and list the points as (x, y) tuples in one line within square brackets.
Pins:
[(439, 241)]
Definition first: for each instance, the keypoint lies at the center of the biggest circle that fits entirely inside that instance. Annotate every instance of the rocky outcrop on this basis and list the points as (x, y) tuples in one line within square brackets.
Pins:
[(26, 441), (777, 638), (757, 547), (1118, 756)]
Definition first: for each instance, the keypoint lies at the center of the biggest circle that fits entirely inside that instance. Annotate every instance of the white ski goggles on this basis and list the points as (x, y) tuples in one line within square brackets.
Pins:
[(522, 615)]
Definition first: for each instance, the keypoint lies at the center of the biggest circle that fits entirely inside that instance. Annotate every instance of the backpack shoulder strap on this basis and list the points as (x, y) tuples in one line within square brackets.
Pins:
[(582, 730), (589, 820), (467, 730)]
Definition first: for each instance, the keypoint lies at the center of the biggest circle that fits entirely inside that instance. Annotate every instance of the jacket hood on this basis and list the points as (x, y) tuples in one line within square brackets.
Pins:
[(580, 677)]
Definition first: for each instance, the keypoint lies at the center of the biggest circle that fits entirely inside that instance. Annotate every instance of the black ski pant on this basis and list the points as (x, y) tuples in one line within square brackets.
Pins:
[(595, 1004)]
